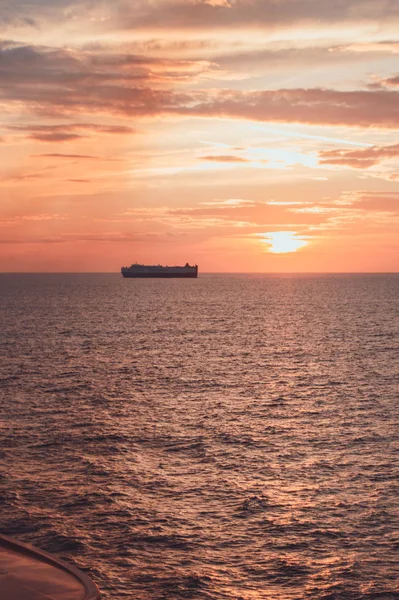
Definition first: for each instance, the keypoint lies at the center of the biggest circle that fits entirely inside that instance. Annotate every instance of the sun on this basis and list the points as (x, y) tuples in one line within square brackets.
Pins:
[(282, 242)]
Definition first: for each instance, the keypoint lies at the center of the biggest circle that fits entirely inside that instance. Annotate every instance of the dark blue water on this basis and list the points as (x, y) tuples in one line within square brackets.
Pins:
[(230, 437)]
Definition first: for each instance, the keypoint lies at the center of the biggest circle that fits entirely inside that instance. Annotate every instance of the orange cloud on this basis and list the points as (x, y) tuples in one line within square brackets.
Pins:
[(367, 47), (77, 156), (224, 159), (54, 137), (375, 201)]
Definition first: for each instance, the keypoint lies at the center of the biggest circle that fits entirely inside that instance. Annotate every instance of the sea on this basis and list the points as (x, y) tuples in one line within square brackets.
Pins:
[(231, 437)]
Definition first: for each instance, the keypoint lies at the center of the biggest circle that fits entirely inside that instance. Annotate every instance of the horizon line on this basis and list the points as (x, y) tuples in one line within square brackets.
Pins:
[(209, 273)]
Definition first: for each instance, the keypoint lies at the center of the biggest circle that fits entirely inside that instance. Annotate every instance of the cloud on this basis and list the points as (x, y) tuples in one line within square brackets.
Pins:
[(187, 218), (31, 65), (364, 108), (22, 176), (236, 62), (112, 129), (385, 82), (44, 81), (66, 132), (54, 137), (71, 81), (77, 156), (200, 14), (362, 158), (66, 237), (312, 106), (225, 159), (229, 202), (255, 213), (219, 217), (195, 14), (375, 201), (69, 127), (32, 240), (392, 81), (78, 180), (391, 47), (34, 217)]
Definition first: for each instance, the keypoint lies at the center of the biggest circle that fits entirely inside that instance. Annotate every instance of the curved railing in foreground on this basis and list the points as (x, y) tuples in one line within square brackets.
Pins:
[(27, 573)]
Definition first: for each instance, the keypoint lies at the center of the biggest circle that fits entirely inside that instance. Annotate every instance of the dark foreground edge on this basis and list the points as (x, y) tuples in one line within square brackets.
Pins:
[(27, 573)]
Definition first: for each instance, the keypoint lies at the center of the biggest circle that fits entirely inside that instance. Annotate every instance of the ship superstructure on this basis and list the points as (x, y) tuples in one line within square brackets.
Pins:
[(138, 270)]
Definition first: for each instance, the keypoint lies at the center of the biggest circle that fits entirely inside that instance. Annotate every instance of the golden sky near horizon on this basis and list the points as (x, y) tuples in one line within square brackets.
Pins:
[(242, 135)]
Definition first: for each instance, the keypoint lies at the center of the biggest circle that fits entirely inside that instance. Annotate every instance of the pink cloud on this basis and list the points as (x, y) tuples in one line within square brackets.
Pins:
[(39, 92), (360, 158), (200, 14), (394, 81), (66, 132)]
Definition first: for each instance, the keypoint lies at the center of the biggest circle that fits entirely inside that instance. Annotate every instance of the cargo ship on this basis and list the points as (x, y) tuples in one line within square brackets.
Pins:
[(137, 270)]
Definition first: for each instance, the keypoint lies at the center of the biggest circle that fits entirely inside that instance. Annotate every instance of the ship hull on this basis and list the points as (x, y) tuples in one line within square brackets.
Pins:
[(160, 275), (27, 573), (138, 271)]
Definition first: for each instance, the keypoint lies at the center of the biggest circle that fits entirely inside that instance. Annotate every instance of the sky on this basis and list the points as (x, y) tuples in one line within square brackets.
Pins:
[(239, 135)]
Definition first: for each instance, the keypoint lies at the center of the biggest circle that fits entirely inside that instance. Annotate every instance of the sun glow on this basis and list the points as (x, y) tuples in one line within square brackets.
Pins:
[(281, 242)]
